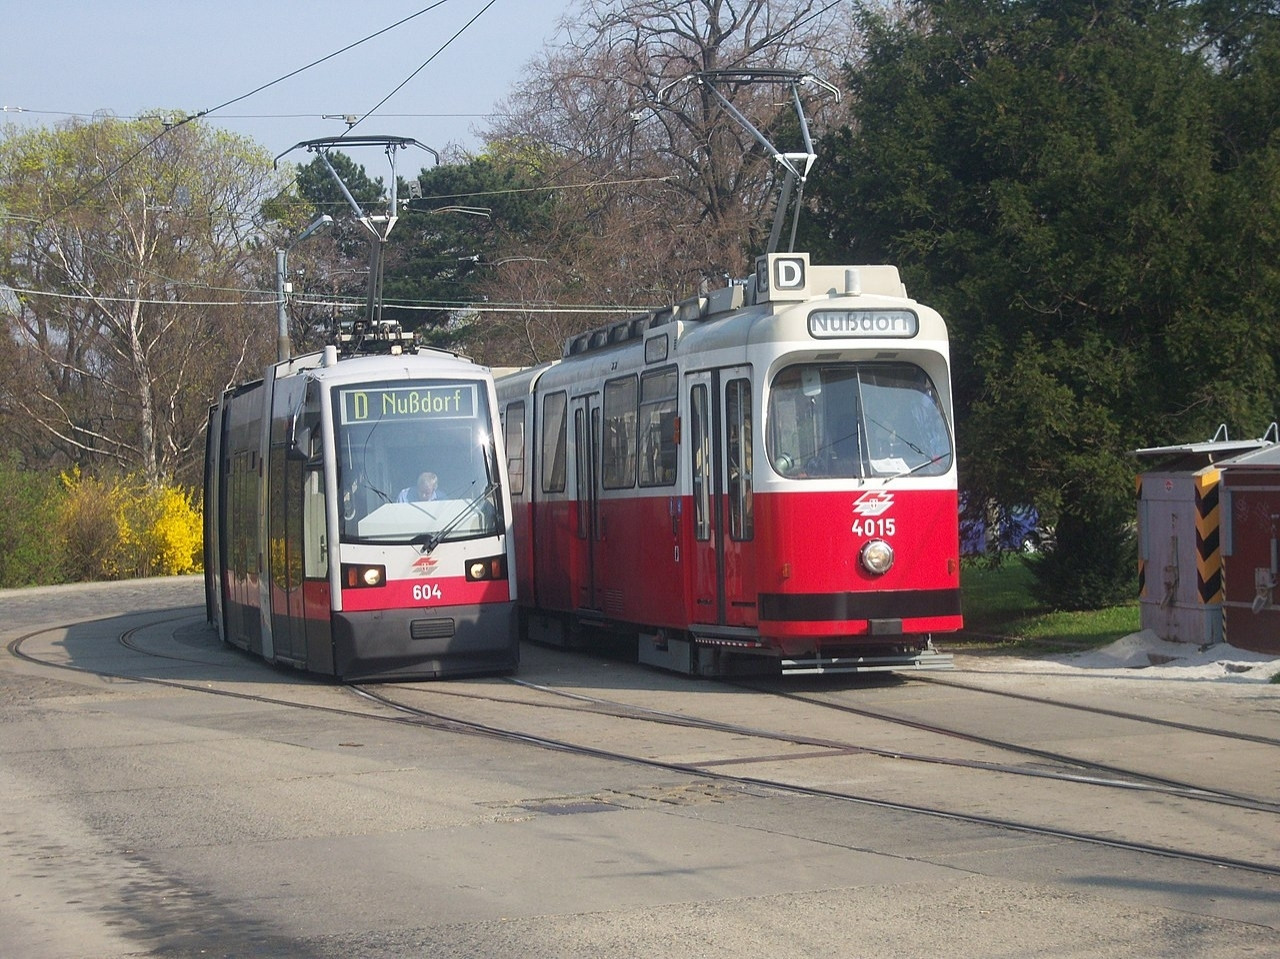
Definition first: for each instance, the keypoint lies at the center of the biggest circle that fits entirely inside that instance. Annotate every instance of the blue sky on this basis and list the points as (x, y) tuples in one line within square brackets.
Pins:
[(59, 57)]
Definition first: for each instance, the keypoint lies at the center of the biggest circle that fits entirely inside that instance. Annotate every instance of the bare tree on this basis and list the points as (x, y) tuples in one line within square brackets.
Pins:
[(667, 191), (128, 249)]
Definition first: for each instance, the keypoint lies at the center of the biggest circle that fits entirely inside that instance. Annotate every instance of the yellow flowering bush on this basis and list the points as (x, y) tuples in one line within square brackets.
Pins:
[(125, 529), (87, 532), (166, 531)]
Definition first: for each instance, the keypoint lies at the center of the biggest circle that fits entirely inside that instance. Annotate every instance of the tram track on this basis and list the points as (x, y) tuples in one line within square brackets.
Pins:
[(1128, 778), (391, 710), (126, 639), (1233, 735), (701, 770), (1074, 769)]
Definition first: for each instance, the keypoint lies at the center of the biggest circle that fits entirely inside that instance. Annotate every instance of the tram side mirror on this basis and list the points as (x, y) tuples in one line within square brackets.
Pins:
[(298, 446), (810, 382), (296, 452), (297, 441)]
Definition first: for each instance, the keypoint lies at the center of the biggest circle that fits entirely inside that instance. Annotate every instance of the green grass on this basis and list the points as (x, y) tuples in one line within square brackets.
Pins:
[(1000, 612)]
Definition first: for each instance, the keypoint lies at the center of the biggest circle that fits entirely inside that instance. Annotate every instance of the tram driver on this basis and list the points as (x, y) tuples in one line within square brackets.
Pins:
[(424, 491)]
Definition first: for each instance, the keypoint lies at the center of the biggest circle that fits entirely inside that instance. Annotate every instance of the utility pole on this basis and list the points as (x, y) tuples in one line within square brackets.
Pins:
[(283, 348)]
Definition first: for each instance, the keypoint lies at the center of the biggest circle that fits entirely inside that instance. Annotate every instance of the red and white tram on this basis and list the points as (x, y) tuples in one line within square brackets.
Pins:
[(765, 471), (321, 553)]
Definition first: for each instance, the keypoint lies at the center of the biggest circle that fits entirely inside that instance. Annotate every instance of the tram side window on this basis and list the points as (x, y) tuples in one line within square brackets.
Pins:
[(619, 452), (554, 431), (294, 483), (658, 428), (315, 554), (252, 482), (278, 519), (737, 409), (585, 489), (513, 437), (242, 544), (308, 432)]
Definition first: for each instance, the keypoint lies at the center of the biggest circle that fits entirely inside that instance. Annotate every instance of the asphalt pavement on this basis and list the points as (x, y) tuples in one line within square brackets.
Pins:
[(172, 797)]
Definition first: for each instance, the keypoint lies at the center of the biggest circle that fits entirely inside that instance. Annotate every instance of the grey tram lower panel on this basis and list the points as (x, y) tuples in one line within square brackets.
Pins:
[(705, 654)]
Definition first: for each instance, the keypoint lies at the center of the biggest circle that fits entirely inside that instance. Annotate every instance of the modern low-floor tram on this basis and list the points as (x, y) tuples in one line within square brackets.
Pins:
[(321, 550), (764, 475)]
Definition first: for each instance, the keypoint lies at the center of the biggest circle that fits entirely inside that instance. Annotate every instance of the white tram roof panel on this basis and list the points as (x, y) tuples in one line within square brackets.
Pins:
[(325, 364), (779, 279)]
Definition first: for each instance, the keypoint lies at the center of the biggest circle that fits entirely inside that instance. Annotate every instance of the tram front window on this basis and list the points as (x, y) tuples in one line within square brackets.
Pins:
[(856, 420), (389, 435)]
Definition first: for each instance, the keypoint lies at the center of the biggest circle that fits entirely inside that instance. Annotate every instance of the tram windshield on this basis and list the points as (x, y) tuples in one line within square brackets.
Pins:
[(416, 462), (856, 420)]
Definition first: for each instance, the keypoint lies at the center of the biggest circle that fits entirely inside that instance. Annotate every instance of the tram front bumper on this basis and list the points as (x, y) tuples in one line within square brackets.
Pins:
[(415, 643)]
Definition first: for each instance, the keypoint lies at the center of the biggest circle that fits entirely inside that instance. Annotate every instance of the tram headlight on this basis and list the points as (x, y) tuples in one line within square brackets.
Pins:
[(356, 576), (492, 567), (877, 557)]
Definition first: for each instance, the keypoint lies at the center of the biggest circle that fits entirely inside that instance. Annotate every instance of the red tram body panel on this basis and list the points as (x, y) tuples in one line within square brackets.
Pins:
[(767, 471)]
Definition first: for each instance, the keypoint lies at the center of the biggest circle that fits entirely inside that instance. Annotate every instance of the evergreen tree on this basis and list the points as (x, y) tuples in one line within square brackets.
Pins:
[(440, 251), (1088, 190)]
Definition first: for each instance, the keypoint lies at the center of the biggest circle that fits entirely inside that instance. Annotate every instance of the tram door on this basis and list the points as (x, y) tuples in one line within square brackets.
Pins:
[(299, 567), (289, 621), (586, 457), (292, 492), (721, 426)]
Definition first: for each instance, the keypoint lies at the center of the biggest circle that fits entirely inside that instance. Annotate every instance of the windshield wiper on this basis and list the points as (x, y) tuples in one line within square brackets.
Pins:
[(919, 466), (429, 541)]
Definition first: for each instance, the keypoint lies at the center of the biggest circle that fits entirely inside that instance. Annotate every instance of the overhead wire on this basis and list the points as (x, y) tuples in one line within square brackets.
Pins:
[(444, 46), (245, 116), (95, 298), (339, 302), (168, 128), (330, 56)]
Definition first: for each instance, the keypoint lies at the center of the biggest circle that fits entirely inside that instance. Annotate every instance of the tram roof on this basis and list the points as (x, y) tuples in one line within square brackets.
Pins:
[(782, 278)]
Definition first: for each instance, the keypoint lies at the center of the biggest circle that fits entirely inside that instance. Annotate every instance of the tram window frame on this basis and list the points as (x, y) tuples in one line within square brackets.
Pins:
[(700, 459), (738, 447), (582, 471), (315, 537), (387, 431), (285, 485), (515, 445), (555, 426), (618, 439), (658, 427)]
